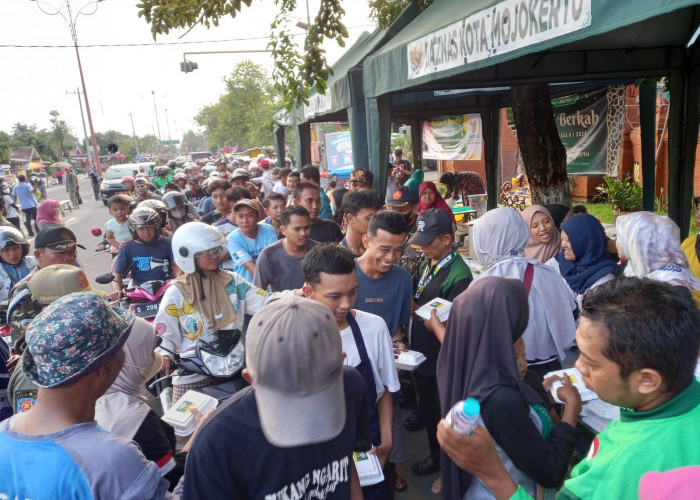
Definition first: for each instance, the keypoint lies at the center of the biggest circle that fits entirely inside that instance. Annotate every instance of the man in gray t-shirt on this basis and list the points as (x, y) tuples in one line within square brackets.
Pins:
[(279, 265)]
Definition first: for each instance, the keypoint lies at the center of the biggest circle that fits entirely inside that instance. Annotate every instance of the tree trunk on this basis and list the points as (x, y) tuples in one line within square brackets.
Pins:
[(543, 153)]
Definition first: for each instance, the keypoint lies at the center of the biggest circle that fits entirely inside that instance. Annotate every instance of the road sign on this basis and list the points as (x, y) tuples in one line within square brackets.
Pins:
[(174, 141)]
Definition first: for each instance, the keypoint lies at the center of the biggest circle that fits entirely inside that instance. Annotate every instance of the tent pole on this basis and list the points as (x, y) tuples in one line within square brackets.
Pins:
[(491, 128), (279, 144), (303, 140), (647, 119), (682, 141)]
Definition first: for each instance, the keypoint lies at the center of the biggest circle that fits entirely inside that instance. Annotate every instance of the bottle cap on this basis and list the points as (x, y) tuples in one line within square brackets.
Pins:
[(471, 407)]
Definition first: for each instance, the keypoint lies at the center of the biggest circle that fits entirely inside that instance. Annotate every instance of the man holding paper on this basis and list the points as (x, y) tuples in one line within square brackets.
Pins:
[(442, 274)]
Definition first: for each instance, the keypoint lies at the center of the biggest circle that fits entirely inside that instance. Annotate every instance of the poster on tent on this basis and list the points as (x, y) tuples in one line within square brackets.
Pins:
[(452, 137), (339, 152), (590, 129)]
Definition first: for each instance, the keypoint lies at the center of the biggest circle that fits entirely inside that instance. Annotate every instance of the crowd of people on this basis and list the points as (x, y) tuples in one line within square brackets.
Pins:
[(324, 284)]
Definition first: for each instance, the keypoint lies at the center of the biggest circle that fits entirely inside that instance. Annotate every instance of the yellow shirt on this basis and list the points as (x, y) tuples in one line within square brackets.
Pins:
[(689, 249)]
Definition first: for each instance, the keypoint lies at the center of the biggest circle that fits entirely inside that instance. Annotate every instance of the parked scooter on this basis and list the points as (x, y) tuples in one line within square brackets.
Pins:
[(142, 300)]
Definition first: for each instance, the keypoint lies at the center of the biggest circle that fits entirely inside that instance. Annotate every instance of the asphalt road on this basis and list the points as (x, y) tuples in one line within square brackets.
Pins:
[(93, 213)]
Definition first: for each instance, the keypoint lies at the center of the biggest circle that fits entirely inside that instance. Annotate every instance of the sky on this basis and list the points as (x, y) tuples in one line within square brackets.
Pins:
[(120, 79)]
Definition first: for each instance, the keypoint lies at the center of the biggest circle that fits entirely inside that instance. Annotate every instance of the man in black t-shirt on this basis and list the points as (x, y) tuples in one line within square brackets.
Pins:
[(292, 434), (322, 230)]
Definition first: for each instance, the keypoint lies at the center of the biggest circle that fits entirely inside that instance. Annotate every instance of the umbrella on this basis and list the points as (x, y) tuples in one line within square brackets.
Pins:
[(61, 164), (33, 166), (120, 155)]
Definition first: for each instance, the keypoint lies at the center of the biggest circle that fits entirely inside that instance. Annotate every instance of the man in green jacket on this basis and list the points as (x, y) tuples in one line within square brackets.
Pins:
[(72, 187), (639, 342)]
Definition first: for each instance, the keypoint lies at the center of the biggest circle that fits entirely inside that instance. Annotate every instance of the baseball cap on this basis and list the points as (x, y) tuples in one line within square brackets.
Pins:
[(430, 224), (72, 337), (53, 282), (295, 357), (264, 163), (362, 175), (58, 239), (245, 202), (403, 195)]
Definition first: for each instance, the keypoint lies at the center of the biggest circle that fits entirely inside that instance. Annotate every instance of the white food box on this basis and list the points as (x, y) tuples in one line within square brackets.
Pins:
[(443, 309), (180, 416), (409, 360), (368, 469), (576, 379)]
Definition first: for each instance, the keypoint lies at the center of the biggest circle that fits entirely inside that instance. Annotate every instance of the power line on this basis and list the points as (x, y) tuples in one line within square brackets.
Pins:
[(154, 44)]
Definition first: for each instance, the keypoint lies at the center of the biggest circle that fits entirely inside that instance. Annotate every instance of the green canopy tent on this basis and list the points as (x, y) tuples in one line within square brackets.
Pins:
[(343, 98), (484, 44)]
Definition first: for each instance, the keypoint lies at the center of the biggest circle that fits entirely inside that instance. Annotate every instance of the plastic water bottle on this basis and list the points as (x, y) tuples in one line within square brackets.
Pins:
[(464, 415)]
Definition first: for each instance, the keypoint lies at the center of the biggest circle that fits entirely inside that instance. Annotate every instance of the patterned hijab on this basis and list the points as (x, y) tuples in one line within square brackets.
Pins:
[(652, 244), (534, 249), (589, 243)]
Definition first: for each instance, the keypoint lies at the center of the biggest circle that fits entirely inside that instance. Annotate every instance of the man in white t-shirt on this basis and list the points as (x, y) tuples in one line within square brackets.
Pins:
[(331, 279)]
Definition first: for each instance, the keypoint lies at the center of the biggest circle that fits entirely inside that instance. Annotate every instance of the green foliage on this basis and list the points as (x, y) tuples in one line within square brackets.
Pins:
[(193, 141), (385, 12), (62, 138), (243, 115), (5, 146), (42, 140), (624, 195)]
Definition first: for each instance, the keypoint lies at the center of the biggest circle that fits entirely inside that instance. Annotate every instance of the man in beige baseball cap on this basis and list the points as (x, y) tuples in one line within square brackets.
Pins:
[(300, 420)]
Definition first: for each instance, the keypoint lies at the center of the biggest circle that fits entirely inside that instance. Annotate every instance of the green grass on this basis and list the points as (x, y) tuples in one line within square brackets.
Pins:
[(603, 211)]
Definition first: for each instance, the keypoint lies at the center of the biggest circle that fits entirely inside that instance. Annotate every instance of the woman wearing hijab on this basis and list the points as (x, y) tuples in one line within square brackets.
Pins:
[(584, 262), (544, 240), (652, 246), (500, 237), (49, 215), (202, 300), (478, 360), (430, 198), (691, 247), (124, 410)]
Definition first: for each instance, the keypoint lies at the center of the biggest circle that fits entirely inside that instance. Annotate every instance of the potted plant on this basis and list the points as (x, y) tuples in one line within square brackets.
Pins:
[(624, 195)]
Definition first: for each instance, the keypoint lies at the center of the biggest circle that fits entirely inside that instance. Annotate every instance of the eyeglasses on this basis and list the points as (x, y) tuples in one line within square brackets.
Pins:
[(212, 252)]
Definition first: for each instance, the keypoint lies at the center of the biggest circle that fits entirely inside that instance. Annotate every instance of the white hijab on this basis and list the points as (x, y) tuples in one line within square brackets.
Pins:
[(123, 407), (500, 236)]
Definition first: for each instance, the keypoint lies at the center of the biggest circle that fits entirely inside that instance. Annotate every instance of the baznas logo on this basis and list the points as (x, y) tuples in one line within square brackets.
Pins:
[(396, 195), (82, 280), (421, 225)]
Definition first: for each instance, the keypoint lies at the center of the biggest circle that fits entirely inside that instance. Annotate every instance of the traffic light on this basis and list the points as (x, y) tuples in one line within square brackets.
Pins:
[(188, 66)]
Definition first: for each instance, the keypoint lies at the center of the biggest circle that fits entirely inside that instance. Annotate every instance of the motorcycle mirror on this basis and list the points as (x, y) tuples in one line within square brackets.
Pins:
[(96, 231), (104, 279)]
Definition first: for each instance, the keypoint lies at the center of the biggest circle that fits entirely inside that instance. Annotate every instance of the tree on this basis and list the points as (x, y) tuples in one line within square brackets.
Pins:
[(41, 140), (243, 115), (60, 131), (543, 153), (296, 74), (193, 141), (5, 146)]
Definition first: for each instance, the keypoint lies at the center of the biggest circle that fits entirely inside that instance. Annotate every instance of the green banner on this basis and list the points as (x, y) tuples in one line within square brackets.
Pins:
[(590, 130)]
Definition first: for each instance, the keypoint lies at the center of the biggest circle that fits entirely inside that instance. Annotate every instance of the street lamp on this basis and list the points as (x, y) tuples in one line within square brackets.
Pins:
[(71, 20)]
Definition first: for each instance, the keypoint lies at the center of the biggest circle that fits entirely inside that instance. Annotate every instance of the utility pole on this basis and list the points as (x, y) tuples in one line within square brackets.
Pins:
[(82, 117), (133, 131), (170, 139), (160, 139)]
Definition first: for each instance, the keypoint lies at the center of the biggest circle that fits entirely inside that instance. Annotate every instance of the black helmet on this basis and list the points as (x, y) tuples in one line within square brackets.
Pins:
[(142, 217), (159, 208), (12, 236), (174, 199)]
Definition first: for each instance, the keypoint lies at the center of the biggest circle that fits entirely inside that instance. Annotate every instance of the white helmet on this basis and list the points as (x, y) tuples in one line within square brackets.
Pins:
[(192, 238)]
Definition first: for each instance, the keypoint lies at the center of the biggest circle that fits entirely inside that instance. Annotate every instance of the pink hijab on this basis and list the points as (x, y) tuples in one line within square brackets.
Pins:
[(438, 203), (534, 249), (45, 213)]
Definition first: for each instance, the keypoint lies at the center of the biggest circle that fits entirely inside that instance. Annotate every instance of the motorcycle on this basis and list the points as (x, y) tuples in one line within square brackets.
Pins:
[(143, 300)]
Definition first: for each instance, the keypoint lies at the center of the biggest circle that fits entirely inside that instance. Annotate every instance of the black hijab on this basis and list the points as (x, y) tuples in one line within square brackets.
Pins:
[(477, 355), (558, 212)]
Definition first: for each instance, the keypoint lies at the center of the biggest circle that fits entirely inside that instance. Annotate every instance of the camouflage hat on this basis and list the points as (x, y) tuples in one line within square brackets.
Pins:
[(362, 175), (53, 282), (72, 337)]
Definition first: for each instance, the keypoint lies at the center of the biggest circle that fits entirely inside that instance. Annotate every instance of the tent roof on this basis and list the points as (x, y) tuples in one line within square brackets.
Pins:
[(619, 38)]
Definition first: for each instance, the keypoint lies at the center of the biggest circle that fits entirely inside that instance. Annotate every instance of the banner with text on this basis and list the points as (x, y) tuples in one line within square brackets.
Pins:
[(507, 26), (338, 151), (452, 137), (590, 131)]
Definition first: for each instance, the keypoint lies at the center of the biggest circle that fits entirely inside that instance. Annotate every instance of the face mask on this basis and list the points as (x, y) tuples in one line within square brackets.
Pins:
[(178, 213)]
